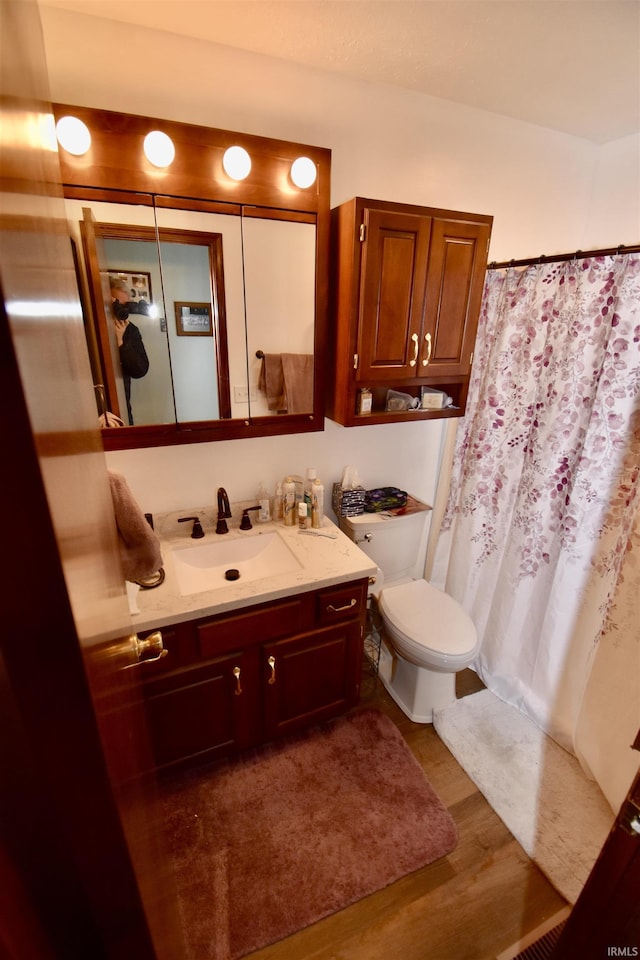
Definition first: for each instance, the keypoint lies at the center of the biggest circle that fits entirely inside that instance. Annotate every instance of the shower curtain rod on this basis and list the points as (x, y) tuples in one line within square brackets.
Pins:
[(557, 258)]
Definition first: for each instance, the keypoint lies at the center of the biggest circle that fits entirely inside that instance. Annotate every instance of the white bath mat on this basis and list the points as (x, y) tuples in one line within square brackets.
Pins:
[(538, 790)]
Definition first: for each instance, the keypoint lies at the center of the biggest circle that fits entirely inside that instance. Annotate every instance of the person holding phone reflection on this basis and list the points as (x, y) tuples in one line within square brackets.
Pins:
[(133, 356)]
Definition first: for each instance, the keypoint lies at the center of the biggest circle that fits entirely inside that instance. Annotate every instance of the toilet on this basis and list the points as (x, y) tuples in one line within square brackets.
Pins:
[(428, 636)]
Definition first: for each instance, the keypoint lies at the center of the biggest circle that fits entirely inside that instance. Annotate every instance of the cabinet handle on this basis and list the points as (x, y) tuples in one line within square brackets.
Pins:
[(272, 663), (427, 338), (347, 606), (414, 337), (236, 673), (150, 645)]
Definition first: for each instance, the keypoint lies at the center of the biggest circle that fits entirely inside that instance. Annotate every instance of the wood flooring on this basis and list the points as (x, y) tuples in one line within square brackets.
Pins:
[(472, 905)]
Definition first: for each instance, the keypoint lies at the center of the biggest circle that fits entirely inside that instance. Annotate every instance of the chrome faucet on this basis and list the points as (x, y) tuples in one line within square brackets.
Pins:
[(224, 511)]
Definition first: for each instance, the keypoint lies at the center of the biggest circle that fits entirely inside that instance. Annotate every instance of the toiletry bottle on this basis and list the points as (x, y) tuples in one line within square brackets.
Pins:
[(264, 514), (277, 502), (308, 484), (298, 483), (303, 520), (289, 502), (317, 504)]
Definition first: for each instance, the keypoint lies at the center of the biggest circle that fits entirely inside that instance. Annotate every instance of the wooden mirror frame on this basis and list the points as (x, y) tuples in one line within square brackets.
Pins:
[(115, 167)]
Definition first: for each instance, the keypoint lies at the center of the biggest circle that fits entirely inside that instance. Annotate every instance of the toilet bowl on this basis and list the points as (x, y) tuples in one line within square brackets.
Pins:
[(427, 627), (427, 636)]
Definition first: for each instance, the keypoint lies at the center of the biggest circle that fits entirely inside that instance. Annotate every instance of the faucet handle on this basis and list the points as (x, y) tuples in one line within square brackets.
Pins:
[(245, 523), (197, 533)]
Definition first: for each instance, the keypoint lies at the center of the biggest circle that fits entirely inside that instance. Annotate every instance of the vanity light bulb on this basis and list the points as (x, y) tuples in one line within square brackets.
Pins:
[(303, 172), (159, 149), (236, 163), (73, 135)]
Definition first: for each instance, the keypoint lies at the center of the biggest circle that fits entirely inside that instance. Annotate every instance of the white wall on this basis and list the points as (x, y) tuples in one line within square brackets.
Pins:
[(613, 216), (548, 193)]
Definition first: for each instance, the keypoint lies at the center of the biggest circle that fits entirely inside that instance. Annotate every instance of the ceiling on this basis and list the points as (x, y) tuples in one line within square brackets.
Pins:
[(569, 65)]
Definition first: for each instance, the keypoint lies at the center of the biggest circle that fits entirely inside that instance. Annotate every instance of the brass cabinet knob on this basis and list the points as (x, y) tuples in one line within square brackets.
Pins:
[(149, 649)]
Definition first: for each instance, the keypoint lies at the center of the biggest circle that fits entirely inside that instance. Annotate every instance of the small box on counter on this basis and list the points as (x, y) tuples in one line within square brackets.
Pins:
[(348, 503), (432, 399)]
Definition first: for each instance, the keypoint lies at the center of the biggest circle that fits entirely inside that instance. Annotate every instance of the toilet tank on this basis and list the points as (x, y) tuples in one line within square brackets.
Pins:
[(396, 542)]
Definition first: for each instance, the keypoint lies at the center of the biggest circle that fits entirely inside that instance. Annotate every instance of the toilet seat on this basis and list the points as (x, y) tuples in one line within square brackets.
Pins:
[(428, 627)]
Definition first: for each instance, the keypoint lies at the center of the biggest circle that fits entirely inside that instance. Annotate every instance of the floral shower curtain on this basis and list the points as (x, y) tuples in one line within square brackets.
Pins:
[(545, 490)]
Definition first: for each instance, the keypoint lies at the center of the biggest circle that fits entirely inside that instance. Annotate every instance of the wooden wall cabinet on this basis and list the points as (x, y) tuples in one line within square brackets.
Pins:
[(406, 290), (235, 680)]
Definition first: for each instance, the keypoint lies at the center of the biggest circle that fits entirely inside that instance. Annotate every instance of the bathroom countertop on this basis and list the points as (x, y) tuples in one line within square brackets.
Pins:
[(324, 562)]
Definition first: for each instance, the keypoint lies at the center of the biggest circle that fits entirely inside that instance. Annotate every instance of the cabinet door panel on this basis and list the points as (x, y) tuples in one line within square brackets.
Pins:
[(394, 258), (454, 292), (311, 678), (201, 712)]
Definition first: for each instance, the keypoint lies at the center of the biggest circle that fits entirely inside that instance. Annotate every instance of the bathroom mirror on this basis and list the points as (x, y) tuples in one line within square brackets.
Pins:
[(181, 293), (227, 280)]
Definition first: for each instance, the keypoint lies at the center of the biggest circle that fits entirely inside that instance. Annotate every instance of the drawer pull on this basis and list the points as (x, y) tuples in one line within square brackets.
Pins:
[(427, 338), (414, 337), (347, 606), (236, 673), (272, 663)]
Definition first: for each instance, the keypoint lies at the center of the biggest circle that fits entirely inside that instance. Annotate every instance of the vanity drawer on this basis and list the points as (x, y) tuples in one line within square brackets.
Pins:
[(341, 602), (252, 626)]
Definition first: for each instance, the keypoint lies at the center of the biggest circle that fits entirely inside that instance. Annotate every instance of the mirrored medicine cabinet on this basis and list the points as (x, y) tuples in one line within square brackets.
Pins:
[(225, 280)]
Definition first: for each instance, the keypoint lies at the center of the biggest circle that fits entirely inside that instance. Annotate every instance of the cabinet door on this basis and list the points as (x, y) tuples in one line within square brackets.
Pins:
[(455, 278), (392, 289), (202, 711), (310, 678)]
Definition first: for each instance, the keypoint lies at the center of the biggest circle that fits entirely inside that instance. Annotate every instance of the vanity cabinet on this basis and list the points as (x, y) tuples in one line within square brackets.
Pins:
[(235, 680), (407, 287)]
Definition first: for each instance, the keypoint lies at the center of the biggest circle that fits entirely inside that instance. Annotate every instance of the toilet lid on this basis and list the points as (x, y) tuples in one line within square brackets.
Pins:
[(429, 616)]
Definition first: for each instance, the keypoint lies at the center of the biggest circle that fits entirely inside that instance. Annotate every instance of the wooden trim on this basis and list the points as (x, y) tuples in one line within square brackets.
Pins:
[(439, 213)]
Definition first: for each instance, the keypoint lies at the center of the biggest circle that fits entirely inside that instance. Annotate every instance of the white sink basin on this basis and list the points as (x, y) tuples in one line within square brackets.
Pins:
[(221, 562)]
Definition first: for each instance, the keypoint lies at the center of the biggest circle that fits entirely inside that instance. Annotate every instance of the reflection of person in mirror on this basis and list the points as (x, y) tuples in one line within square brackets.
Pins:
[(133, 356)]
